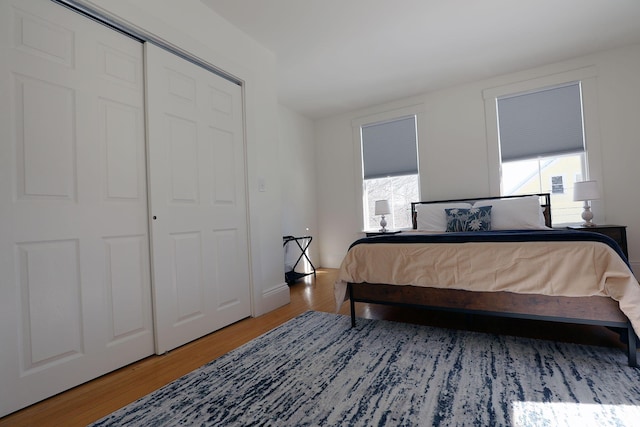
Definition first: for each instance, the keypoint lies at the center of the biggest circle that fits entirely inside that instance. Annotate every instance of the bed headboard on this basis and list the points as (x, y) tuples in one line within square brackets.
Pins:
[(545, 204)]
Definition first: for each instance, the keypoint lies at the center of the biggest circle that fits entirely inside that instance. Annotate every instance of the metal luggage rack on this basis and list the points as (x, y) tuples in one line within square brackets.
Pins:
[(303, 243)]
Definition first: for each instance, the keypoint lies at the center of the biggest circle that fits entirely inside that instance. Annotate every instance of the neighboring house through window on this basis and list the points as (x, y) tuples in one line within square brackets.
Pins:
[(389, 170), (557, 184)]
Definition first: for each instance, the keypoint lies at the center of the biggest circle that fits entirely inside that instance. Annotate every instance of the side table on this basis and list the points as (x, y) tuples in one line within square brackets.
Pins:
[(616, 232), (380, 233)]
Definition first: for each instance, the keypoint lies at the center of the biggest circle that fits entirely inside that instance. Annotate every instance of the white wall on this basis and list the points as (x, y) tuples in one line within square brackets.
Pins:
[(454, 149), (298, 177), (196, 29)]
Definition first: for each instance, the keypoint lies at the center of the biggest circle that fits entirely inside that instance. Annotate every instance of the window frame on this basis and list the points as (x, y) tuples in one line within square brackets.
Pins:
[(380, 117), (592, 145)]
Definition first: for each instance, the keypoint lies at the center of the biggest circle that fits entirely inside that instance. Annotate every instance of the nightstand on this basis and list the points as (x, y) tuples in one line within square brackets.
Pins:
[(616, 232), (380, 233)]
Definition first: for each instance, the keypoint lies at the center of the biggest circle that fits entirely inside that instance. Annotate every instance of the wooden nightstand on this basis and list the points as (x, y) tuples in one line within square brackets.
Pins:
[(616, 232), (380, 233)]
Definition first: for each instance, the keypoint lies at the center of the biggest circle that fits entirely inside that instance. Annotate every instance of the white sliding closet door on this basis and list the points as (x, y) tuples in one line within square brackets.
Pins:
[(75, 297), (198, 200)]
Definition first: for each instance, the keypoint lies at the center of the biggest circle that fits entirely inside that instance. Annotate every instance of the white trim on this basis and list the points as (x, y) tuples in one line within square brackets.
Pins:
[(593, 147), (131, 30), (532, 85), (275, 297), (381, 117)]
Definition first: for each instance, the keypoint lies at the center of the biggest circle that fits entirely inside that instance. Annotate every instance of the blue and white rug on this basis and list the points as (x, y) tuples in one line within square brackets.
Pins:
[(316, 371)]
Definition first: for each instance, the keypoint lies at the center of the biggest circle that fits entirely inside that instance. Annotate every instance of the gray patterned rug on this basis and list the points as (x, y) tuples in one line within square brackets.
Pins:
[(316, 371)]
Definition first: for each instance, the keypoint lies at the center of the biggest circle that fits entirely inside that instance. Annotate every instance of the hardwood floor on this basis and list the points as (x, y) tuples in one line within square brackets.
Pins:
[(93, 400)]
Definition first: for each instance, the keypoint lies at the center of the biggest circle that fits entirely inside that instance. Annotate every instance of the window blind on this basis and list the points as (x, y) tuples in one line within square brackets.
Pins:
[(542, 123), (389, 148)]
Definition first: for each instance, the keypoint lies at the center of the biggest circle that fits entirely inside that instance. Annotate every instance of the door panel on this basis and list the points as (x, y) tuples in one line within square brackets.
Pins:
[(74, 254), (46, 139), (51, 315), (126, 263), (198, 197)]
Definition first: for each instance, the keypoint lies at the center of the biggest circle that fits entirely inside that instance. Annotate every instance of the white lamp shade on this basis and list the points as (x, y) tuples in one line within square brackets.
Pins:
[(586, 190), (382, 207)]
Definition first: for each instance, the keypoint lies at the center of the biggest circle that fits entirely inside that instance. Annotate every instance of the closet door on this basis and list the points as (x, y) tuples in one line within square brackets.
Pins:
[(75, 297), (198, 200)]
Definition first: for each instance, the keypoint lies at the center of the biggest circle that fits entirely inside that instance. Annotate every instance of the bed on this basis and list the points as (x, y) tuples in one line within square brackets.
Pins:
[(495, 256)]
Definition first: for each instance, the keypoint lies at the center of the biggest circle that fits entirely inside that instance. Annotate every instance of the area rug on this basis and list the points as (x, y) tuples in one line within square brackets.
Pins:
[(315, 370)]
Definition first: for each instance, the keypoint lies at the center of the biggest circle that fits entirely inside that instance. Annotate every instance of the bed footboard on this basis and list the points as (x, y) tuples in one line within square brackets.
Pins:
[(596, 310)]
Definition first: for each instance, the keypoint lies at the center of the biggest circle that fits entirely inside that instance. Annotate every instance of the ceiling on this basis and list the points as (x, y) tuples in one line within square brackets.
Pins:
[(338, 55)]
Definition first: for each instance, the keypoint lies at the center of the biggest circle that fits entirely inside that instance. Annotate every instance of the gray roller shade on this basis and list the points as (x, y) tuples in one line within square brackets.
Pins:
[(389, 149), (543, 123)]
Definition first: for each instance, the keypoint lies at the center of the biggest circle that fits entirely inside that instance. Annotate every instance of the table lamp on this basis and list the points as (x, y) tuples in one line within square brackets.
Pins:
[(382, 208), (586, 191)]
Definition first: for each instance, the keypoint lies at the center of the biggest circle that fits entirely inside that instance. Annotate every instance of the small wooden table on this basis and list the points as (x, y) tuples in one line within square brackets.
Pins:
[(381, 233), (616, 232)]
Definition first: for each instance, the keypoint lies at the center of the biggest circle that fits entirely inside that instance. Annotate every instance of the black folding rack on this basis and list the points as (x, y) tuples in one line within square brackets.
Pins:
[(303, 243)]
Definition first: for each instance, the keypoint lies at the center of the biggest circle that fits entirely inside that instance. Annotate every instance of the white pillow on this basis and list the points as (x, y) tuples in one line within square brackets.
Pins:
[(519, 213), (432, 217)]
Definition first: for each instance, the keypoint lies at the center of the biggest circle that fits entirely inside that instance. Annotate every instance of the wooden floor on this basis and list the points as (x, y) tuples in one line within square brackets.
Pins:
[(91, 401)]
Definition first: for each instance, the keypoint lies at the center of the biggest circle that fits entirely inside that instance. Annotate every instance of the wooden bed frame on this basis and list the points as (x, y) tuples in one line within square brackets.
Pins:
[(595, 310)]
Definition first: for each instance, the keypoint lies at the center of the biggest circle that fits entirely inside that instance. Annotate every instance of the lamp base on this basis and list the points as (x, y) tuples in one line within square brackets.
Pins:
[(383, 224), (587, 215)]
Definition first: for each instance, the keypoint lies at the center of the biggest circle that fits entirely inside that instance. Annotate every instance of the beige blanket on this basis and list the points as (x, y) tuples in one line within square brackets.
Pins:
[(575, 269)]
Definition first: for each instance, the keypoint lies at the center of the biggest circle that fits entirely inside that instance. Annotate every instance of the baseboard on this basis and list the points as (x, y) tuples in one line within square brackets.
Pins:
[(274, 297)]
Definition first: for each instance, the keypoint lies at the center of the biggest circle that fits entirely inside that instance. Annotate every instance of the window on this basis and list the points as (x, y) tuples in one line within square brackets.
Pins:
[(538, 176), (390, 170), (541, 142), (557, 185)]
